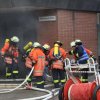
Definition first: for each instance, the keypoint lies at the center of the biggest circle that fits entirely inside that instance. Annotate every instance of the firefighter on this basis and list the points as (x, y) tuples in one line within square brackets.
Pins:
[(72, 52), (76, 44), (28, 63), (89, 52), (10, 54), (38, 62), (57, 55), (46, 50), (81, 58)]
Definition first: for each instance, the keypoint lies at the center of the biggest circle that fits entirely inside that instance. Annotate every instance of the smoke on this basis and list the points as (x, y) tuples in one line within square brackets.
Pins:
[(22, 24)]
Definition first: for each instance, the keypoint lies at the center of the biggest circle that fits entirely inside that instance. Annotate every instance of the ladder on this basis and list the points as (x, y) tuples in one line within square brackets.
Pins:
[(76, 68)]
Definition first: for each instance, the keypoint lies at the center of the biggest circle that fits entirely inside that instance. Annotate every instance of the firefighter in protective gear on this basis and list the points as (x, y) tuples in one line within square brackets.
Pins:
[(38, 62), (81, 56), (57, 55), (46, 50), (89, 52), (75, 44), (10, 54), (28, 63)]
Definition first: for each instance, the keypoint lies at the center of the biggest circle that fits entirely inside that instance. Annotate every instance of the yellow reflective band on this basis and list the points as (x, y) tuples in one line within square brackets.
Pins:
[(40, 82), (6, 69), (29, 79), (16, 72), (39, 71), (56, 81), (83, 80), (8, 74), (77, 55), (63, 80), (72, 51), (28, 50)]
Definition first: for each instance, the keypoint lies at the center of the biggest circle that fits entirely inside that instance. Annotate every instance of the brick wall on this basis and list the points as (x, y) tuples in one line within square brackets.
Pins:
[(77, 25), (70, 25), (47, 30)]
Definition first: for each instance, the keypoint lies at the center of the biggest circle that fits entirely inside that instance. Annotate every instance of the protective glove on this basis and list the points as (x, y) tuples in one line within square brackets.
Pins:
[(66, 68), (33, 63), (69, 52)]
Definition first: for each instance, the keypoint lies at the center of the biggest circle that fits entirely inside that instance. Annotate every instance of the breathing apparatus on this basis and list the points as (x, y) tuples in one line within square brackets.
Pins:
[(27, 46), (7, 41), (56, 51)]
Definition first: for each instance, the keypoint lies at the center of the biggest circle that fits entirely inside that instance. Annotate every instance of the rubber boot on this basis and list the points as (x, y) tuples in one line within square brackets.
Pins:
[(28, 86)]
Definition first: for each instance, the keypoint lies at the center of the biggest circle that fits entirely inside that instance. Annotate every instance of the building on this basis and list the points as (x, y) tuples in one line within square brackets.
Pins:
[(51, 20)]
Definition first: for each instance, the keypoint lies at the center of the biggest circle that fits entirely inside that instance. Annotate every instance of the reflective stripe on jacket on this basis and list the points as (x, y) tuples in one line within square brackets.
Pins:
[(38, 56), (57, 64), (5, 48), (84, 56), (9, 50), (28, 63), (8, 60)]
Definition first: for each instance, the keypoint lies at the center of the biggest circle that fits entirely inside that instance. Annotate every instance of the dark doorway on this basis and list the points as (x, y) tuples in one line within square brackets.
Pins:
[(21, 24)]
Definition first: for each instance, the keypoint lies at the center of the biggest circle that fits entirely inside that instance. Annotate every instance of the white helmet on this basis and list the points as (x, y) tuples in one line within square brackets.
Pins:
[(36, 44), (72, 44), (15, 39), (46, 46), (76, 41)]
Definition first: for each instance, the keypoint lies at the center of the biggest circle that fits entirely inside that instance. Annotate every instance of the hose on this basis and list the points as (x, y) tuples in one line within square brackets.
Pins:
[(43, 90), (35, 98), (40, 97), (61, 94), (47, 96), (11, 90), (53, 94)]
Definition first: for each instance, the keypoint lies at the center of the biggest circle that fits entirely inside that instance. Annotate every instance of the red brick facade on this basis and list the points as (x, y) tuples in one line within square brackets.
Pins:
[(70, 25), (47, 30)]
